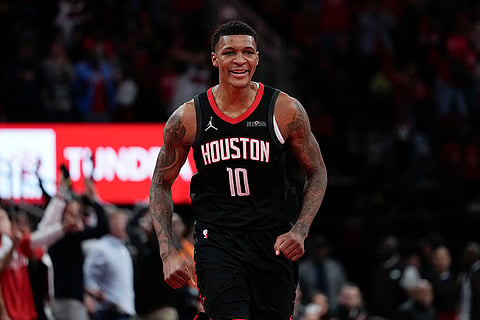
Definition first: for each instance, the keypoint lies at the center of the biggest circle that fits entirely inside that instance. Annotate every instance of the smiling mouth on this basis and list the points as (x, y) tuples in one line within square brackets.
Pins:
[(239, 72)]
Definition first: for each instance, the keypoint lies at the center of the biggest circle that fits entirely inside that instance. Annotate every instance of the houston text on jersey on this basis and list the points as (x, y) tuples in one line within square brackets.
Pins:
[(235, 148)]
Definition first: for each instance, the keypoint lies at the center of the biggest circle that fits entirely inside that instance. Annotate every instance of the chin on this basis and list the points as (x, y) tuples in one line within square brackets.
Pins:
[(240, 83)]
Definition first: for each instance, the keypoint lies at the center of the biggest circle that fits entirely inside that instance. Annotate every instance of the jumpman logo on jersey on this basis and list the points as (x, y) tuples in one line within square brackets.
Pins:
[(210, 125)]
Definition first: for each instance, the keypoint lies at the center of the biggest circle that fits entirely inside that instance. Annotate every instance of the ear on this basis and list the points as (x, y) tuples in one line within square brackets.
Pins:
[(214, 59)]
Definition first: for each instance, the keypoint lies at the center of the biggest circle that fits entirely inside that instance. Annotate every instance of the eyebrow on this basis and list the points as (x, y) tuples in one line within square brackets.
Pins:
[(243, 48)]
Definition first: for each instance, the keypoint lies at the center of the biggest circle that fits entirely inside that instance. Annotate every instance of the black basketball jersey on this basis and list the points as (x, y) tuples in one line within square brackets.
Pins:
[(242, 179)]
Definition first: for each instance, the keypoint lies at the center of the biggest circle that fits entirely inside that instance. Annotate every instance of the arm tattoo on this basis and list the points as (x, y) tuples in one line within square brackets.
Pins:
[(298, 123), (175, 130), (162, 221), (308, 152), (301, 127), (169, 161), (168, 157), (301, 228)]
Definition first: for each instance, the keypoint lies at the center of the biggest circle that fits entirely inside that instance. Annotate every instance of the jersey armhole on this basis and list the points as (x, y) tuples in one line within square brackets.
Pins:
[(274, 129), (198, 117)]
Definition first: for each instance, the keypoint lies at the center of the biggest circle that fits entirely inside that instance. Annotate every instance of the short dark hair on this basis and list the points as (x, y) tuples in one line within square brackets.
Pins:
[(232, 28)]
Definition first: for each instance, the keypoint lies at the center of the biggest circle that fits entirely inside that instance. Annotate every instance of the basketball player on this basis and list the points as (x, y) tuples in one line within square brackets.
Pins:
[(248, 233)]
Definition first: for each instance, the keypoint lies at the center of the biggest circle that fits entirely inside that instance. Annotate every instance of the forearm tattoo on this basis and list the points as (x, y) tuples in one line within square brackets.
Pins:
[(301, 228), (168, 164)]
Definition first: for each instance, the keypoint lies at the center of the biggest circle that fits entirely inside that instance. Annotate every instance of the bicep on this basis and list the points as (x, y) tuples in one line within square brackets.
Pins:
[(174, 151), (302, 142), (307, 152), (169, 162)]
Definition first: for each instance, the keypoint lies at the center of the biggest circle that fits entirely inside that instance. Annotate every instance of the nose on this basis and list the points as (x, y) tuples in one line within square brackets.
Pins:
[(239, 59)]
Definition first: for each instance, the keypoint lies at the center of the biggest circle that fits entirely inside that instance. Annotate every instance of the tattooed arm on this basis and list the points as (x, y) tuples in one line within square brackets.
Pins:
[(178, 136), (295, 127)]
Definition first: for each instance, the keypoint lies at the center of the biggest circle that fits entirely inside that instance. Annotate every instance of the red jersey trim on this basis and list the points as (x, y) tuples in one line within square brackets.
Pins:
[(242, 117)]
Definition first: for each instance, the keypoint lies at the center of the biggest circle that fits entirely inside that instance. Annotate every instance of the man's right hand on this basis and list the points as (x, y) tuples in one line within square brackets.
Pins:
[(178, 271)]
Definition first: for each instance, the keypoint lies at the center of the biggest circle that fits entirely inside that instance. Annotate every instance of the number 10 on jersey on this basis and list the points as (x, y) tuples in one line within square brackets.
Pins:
[(238, 180)]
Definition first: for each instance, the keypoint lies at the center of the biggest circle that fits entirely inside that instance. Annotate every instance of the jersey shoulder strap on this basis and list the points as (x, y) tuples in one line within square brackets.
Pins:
[(198, 99), (272, 125)]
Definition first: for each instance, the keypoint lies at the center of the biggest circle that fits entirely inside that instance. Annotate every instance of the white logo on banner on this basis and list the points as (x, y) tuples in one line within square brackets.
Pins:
[(21, 157)]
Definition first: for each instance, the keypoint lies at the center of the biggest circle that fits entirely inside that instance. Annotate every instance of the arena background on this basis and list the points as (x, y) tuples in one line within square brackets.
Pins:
[(392, 89)]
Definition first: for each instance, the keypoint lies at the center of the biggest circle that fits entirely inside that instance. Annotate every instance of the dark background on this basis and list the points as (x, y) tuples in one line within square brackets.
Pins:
[(391, 87)]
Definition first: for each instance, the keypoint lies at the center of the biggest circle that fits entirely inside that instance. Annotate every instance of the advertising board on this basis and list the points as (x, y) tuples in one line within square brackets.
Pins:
[(119, 157)]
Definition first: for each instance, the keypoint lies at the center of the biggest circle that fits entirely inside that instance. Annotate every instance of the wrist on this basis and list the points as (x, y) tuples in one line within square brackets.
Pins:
[(167, 251), (301, 228)]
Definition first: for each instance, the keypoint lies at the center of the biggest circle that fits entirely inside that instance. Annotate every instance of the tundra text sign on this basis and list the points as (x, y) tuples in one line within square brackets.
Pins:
[(119, 157)]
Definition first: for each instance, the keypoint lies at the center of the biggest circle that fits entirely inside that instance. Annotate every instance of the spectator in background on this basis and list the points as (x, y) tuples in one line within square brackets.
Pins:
[(419, 305), (41, 271), (67, 255), (320, 272), (15, 281), (350, 304), (469, 279), (57, 74), (317, 307), (37, 269), (108, 272), (5, 247), (335, 23), (411, 271), (377, 24), (154, 299), (195, 78), (70, 16), (386, 292), (427, 247), (126, 96), (454, 76), (93, 85), (445, 285)]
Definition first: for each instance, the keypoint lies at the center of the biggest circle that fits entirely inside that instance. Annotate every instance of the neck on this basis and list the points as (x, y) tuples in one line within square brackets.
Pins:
[(234, 101)]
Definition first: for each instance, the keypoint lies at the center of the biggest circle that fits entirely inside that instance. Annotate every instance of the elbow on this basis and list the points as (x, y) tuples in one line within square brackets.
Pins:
[(318, 174), (322, 173), (159, 189), (324, 176)]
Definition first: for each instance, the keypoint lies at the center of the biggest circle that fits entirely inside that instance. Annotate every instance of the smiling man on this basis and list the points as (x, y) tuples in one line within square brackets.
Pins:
[(249, 228)]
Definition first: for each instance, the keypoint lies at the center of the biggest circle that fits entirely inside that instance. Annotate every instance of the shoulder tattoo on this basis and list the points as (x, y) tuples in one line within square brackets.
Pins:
[(174, 133), (299, 121), (175, 130)]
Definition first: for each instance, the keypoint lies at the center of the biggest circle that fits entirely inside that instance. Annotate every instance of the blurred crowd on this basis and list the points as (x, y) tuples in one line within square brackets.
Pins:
[(100, 61), (83, 258), (392, 88), (394, 80)]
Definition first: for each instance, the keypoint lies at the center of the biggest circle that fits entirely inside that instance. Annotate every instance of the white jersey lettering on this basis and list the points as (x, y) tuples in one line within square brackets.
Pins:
[(235, 148)]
